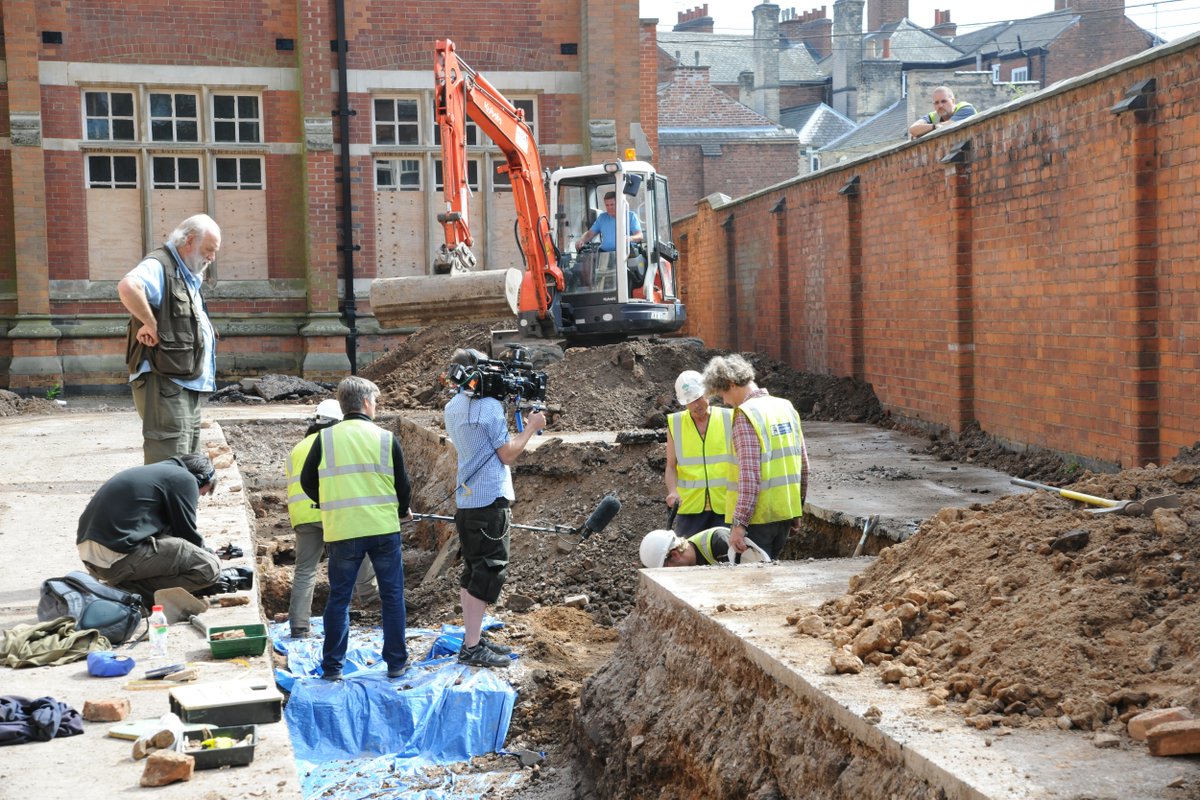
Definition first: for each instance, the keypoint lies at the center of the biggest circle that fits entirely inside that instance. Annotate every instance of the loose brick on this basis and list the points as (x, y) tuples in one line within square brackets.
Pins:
[(167, 766), (1142, 724), (1175, 738), (113, 709)]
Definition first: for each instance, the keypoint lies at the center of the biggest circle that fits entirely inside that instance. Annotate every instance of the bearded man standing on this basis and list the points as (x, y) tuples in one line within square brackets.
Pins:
[(171, 348)]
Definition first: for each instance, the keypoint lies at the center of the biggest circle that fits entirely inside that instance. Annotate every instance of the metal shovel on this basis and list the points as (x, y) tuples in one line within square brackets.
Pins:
[(868, 527), (1129, 508)]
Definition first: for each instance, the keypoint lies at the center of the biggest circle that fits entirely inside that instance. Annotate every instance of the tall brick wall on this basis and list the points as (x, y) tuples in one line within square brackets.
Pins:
[(1045, 286), (216, 32)]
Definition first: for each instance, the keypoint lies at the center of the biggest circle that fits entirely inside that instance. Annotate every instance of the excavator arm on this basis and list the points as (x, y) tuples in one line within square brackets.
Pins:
[(461, 94)]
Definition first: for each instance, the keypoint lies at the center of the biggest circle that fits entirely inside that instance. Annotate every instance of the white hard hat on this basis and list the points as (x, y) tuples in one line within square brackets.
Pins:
[(329, 409), (753, 554), (689, 387), (655, 546)]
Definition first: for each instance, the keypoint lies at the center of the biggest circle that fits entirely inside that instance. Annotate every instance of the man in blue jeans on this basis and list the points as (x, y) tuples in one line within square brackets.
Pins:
[(356, 471)]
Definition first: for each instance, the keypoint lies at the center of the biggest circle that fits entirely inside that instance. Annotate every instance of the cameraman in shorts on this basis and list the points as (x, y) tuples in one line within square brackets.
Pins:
[(479, 430)]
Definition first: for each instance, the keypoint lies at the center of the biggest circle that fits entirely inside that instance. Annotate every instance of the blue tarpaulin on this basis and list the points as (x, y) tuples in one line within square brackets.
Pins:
[(365, 733)]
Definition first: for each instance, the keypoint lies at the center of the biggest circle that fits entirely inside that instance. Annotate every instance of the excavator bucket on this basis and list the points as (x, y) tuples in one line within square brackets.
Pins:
[(436, 299)]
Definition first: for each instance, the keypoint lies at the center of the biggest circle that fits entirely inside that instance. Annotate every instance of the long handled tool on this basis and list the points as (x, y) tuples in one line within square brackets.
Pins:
[(603, 514), (1130, 508), (868, 527)]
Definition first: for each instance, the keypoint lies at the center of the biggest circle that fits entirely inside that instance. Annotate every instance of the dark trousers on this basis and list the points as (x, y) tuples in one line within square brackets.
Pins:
[(770, 536), (161, 562), (345, 558)]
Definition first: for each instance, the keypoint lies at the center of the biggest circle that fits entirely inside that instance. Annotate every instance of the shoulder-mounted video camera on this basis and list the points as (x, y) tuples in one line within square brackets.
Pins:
[(513, 378)]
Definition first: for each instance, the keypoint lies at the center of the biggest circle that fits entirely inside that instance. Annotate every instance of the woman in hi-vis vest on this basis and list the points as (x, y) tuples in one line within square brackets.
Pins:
[(699, 458)]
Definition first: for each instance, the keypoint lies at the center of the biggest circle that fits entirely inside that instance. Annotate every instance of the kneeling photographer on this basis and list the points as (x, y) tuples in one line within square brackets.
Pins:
[(476, 424)]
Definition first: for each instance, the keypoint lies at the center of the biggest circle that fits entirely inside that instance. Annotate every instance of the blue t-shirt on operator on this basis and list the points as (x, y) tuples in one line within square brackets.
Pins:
[(606, 226)]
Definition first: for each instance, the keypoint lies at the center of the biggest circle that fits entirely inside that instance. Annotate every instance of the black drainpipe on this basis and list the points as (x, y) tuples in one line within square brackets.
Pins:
[(348, 248)]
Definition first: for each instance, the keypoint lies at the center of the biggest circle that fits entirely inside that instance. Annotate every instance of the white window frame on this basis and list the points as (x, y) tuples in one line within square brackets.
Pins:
[(472, 131), (398, 167), (240, 182), (174, 118), (530, 105), (176, 183), (109, 118), (112, 182), (1020, 75), (237, 120), (474, 168), (995, 73), (396, 124)]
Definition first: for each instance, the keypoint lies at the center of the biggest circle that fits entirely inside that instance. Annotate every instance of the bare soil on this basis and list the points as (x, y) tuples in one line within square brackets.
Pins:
[(997, 616), (1033, 611), (12, 404)]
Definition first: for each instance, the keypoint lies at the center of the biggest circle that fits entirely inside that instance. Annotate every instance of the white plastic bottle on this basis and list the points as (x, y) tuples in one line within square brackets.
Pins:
[(158, 632)]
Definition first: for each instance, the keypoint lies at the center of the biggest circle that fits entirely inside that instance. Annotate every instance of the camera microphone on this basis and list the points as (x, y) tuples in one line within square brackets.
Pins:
[(609, 507)]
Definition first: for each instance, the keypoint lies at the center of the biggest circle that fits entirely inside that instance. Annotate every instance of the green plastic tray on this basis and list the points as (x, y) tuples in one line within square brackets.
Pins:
[(253, 644), (230, 757)]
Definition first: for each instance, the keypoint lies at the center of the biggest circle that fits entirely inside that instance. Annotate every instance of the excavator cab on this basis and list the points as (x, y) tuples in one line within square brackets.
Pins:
[(621, 282)]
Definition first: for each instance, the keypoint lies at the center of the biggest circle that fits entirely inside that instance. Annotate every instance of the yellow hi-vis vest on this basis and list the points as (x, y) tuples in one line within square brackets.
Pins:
[(781, 443), (702, 465), (932, 117), (301, 509), (358, 486), (703, 542)]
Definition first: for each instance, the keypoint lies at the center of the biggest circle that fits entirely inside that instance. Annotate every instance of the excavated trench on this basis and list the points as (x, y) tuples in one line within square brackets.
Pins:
[(562, 481), (699, 704)]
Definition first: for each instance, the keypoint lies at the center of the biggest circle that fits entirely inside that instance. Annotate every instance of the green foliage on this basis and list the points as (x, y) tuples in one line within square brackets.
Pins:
[(54, 392)]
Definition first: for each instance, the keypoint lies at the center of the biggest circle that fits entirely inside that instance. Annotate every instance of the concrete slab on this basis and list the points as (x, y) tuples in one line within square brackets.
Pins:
[(49, 468), (750, 604), (860, 470)]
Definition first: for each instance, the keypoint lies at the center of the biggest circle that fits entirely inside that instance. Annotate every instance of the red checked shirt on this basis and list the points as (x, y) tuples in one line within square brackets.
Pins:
[(749, 454)]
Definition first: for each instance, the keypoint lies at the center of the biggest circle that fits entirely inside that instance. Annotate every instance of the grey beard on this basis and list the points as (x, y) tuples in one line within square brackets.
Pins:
[(196, 264)]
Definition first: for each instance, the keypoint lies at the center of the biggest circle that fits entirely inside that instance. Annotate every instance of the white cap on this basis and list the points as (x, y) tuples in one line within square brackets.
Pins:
[(329, 409), (689, 387), (655, 546)]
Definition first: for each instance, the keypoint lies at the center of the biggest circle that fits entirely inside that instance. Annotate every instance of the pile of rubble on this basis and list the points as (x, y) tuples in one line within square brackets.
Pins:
[(1035, 611)]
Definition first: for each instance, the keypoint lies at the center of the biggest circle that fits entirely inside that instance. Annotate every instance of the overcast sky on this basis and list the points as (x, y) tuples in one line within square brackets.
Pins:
[(1170, 19)]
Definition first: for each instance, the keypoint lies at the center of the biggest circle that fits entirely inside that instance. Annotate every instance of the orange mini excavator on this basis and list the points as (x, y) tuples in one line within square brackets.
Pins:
[(597, 292)]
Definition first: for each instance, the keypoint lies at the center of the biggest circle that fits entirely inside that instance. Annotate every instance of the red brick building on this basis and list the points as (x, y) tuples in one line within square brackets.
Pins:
[(119, 118), (711, 143)]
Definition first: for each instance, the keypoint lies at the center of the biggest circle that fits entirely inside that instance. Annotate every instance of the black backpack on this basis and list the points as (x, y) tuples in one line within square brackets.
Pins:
[(92, 604)]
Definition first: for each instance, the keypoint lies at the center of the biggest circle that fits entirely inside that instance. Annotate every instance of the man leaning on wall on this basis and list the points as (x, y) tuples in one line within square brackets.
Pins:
[(171, 345), (946, 112)]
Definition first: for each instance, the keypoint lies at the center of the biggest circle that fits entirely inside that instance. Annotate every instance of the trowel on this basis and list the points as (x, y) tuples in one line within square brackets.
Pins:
[(180, 605)]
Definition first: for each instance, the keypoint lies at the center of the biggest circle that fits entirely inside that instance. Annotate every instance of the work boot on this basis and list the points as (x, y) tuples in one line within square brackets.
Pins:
[(481, 656), (332, 675), (396, 672)]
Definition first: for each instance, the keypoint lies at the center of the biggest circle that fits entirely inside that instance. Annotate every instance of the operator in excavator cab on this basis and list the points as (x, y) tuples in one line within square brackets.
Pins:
[(605, 227)]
